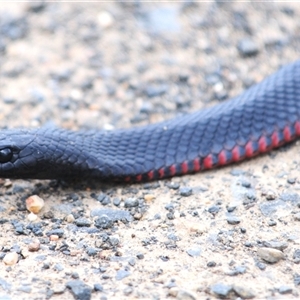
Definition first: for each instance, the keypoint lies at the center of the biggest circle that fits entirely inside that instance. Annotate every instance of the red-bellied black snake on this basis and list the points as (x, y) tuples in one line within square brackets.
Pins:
[(264, 117)]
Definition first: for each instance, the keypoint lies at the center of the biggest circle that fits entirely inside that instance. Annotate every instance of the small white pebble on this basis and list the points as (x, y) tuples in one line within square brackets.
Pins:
[(11, 258), (32, 217), (54, 237), (70, 218), (105, 19), (25, 252), (34, 204)]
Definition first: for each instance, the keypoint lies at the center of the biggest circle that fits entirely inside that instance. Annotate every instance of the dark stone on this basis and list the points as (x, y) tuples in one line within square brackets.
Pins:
[(116, 201), (131, 202), (103, 222), (211, 264), (113, 214), (233, 220), (185, 191), (98, 287), (140, 256), (297, 279), (214, 210), (80, 290), (59, 232), (91, 251), (221, 290), (285, 290), (121, 274), (173, 185), (291, 180), (83, 222), (247, 48)]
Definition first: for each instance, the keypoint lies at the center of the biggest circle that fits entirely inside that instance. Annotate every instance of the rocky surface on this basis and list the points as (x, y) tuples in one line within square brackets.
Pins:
[(227, 233)]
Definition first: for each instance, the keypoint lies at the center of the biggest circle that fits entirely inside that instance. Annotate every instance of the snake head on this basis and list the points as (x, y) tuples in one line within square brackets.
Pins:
[(18, 155), (40, 154)]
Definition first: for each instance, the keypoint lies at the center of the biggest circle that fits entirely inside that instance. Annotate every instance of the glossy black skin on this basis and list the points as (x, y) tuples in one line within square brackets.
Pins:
[(49, 153)]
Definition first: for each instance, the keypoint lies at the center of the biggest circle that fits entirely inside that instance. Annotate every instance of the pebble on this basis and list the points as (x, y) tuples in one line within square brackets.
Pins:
[(113, 214), (270, 195), (34, 246), (296, 256), (194, 252), (79, 289), (272, 223), (211, 264), (297, 217), (58, 289), (83, 222), (173, 185), (214, 210), (103, 222), (128, 290), (285, 290), (243, 292), (13, 27), (290, 197), (32, 217), (149, 197), (270, 255), (59, 232), (233, 220), (185, 191), (105, 19), (156, 90), (276, 245), (121, 274), (116, 201), (247, 47), (291, 180), (245, 183), (221, 290), (98, 287), (184, 295), (70, 218), (34, 204), (54, 237), (25, 252), (24, 289), (237, 172), (237, 271), (131, 202), (140, 256), (132, 262), (104, 199), (92, 251), (11, 258), (58, 267)]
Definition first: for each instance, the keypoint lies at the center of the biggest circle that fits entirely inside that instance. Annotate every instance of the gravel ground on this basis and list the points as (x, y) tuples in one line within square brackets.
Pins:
[(227, 233)]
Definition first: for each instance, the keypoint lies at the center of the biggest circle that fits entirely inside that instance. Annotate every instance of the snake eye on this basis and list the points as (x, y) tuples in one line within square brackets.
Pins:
[(6, 155)]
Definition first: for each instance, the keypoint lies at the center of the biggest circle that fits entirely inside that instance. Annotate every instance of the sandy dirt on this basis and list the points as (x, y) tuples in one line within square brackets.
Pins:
[(117, 65)]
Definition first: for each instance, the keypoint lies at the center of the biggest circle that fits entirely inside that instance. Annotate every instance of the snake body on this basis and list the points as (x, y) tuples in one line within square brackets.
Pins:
[(264, 117)]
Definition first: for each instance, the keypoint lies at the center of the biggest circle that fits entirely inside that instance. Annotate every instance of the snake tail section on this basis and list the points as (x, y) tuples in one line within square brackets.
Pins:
[(264, 117)]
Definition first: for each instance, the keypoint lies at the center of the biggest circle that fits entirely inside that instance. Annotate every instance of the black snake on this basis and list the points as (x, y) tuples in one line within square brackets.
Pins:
[(262, 118)]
